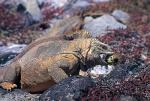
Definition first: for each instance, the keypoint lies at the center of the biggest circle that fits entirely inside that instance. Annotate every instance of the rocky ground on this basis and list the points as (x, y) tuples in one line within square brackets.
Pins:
[(122, 24)]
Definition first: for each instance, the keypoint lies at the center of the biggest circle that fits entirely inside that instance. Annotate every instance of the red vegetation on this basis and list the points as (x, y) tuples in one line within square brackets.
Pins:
[(128, 44), (25, 35), (136, 86), (50, 12), (10, 20)]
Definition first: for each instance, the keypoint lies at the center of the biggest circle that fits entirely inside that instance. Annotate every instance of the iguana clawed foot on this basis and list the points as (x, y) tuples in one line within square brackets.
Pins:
[(83, 73), (8, 86)]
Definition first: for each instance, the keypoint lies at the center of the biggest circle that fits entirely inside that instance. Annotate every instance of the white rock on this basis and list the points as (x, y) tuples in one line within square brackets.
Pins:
[(14, 48), (121, 16), (88, 19), (100, 70), (102, 24)]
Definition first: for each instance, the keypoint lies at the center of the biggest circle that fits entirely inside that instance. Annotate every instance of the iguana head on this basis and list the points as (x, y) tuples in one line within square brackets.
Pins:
[(99, 48), (98, 53)]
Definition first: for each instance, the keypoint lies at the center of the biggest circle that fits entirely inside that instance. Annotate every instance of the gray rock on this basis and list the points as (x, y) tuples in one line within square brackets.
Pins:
[(33, 9), (13, 2), (122, 72), (121, 16), (65, 26), (127, 98), (2, 1), (75, 7), (101, 0), (102, 24), (81, 3), (14, 48), (5, 57), (17, 95), (70, 89), (9, 52), (56, 3)]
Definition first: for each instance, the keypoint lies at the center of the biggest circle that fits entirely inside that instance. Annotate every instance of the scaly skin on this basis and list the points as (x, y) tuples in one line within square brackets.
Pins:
[(44, 46), (52, 61)]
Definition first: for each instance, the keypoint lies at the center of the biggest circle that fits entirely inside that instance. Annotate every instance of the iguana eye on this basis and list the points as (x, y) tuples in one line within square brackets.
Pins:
[(104, 47)]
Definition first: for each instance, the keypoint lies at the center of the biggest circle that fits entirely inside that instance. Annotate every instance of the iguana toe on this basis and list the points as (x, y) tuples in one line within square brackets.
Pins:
[(83, 73), (8, 86)]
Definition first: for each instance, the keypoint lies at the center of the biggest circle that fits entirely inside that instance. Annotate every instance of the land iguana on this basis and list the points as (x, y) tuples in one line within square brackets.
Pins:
[(52, 58), (50, 61)]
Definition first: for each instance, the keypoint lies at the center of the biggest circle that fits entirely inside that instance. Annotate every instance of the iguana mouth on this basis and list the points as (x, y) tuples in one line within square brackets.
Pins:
[(109, 58)]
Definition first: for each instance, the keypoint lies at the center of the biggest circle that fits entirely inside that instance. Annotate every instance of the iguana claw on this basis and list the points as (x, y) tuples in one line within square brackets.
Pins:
[(8, 86)]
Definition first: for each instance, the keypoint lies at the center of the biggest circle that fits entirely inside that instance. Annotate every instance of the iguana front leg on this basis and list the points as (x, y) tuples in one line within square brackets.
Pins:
[(57, 74), (8, 85), (64, 66), (83, 73)]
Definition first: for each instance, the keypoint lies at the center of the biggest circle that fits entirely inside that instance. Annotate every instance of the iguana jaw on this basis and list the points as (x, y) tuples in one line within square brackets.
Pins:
[(104, 56), (110, 59)]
